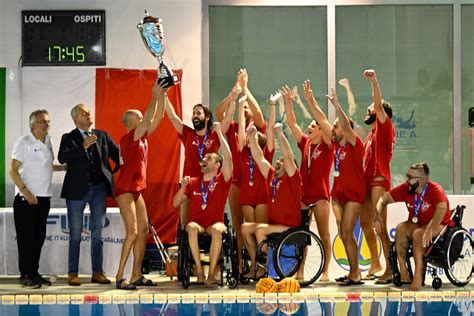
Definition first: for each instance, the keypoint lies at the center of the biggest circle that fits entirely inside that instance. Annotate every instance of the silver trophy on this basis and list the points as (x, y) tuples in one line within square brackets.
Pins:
[(151, 30)]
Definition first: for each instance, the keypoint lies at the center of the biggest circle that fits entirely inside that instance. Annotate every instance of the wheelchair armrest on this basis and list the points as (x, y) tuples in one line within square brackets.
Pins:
[(306, 215), (458, 214)]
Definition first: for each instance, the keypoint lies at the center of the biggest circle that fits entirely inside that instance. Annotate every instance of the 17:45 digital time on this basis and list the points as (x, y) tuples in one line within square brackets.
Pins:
[(74, 53)]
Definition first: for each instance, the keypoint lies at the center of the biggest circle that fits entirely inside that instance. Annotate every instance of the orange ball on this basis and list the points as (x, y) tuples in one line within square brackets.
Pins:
[(266, 285), (289, 285)]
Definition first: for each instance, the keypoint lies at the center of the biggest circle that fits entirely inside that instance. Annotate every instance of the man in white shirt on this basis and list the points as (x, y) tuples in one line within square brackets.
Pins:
[(31, 170)]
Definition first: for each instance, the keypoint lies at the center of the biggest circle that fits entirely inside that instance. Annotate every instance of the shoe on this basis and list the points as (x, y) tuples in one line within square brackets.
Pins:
[(383, 281), (370, 277), (30, 281), (341, 279), (73, 279), (349, 282), (122, 284), (99, 278), (143, 282), (38, 278)]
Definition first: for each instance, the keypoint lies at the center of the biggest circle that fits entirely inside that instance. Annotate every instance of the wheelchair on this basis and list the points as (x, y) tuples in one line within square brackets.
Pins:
[(451, 251), (287, 252), (227, 264)]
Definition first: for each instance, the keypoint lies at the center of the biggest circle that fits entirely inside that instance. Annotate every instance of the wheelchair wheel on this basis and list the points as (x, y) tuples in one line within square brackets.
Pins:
[(232, 274), (297, 249), (459, 257)]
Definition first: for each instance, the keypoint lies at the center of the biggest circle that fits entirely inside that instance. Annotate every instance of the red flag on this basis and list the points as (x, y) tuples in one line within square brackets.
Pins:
[(118, 90)]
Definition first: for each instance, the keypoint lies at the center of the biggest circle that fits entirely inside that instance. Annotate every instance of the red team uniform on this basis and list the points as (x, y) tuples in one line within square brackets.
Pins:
[(258, 192), (192, 143), (350, 184), (316, 162), (232, 140), (134, 156), (217, 193), (379, 146), (285, 198), (434, 195)]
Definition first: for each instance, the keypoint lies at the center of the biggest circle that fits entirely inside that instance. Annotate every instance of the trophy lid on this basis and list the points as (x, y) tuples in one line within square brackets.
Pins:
[(148, 18)]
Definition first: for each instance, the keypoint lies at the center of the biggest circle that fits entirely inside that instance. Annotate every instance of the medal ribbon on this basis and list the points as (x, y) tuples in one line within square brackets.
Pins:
[(417, 203), (205, 194), (252, 167), (274, 188), (201, 146), (338, 153)]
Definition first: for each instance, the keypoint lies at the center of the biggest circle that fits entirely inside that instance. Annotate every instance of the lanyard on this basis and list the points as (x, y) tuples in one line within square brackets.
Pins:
[(205, 194), (337, 160), (274, 188), (201, 146), (252, 167), (417, 203)]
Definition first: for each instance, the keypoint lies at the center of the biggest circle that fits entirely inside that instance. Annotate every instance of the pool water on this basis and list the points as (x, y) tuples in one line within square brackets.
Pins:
[(317, 307)]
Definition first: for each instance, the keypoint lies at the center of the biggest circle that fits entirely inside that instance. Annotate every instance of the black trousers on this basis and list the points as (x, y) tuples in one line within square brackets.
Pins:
[(30, 226)]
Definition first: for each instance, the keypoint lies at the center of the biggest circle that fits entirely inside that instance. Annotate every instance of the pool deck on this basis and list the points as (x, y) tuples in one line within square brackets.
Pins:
[(11, 292)]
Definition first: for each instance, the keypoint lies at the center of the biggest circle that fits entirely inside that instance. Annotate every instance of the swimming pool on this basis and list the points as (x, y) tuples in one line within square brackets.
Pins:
[(261, 307)]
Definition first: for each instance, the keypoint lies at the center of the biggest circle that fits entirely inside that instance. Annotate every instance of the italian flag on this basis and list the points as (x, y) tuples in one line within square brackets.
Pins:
[(108, 93)]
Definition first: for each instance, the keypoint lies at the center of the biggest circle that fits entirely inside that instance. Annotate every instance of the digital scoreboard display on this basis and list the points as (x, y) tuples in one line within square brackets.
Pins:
[(63, 38)]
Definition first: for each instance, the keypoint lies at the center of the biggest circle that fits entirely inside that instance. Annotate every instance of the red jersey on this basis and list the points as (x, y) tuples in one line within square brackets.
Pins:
[(258, 192), (434, 195), (134, 156), (351, 173), (217, 193), (192, 143), (233, 141), (316, 162), (285, 198), (379, 146)]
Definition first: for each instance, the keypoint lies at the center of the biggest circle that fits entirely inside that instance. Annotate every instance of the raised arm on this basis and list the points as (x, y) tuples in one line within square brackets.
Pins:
[(226, 154), (229, 113), (242, 79), (349, 133), (257, 153), (344, 82), (160, 111), (290, 164), (174, 118), (290, 114), (318, 114), (180, 197), (241, 129), (271, 121), (376, 95), (151, 112)]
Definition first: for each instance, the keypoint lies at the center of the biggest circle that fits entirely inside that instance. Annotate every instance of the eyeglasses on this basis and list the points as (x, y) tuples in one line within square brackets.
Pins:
[(409, 177)]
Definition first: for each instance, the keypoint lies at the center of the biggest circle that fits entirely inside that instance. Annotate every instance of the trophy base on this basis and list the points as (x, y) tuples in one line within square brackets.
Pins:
[(170, 80)]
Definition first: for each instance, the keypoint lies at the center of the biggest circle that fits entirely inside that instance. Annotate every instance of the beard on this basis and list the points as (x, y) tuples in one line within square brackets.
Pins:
[(199, 124), (370, 119), (412, 187)]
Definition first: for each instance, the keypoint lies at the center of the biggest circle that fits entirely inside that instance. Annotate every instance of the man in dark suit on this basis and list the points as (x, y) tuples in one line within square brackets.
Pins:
[(88, 180)]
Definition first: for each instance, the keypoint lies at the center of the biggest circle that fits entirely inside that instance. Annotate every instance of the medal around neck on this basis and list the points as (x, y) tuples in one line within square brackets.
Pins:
[(414, 219), (203, 207), (151, 31), (335, 173)]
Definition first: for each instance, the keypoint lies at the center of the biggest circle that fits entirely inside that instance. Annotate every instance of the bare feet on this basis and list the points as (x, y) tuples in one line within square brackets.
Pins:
[(416, 283), (251, 274), (200, 277), (374, 269), (324, 277), (211, 280)]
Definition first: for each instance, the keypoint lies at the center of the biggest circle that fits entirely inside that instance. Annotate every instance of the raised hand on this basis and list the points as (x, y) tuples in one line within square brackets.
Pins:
[(160, 88), (370, 74), (89, 140), (234, 94), (285, 90), (308, 91), (274, 97), (242, 78), (332, 97), (344, 82)]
